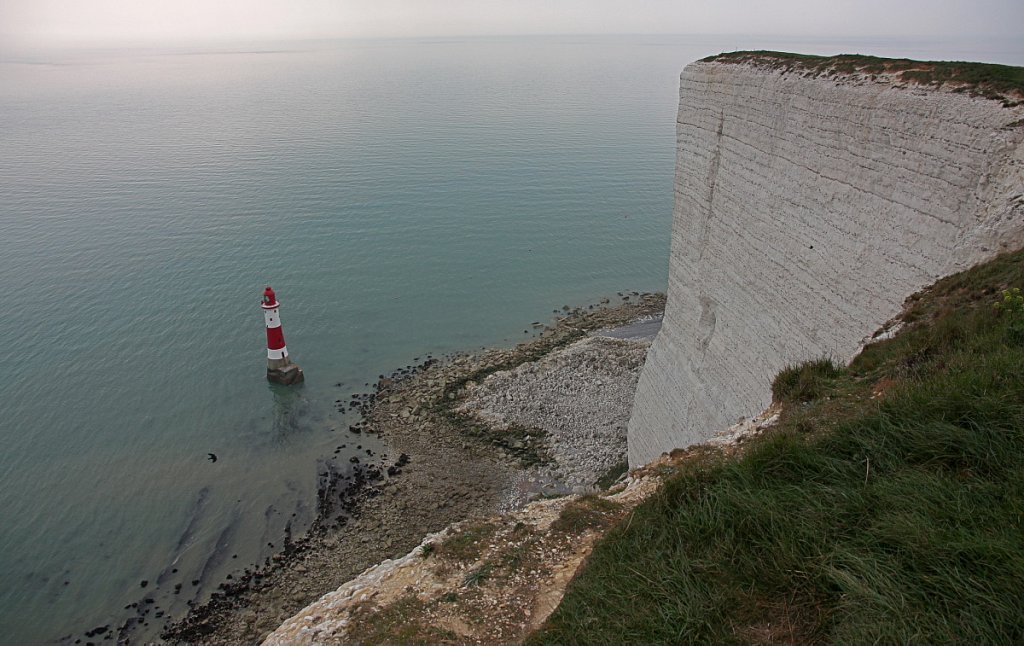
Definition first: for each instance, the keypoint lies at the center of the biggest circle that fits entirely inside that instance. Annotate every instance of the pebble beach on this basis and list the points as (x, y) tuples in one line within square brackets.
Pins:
[(466, 436)]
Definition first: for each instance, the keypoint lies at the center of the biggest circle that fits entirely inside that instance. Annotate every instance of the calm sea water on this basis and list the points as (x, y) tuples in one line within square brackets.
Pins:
[(402, 197)]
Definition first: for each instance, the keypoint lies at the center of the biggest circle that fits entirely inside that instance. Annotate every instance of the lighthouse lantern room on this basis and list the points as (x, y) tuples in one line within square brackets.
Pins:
[(279, 367)]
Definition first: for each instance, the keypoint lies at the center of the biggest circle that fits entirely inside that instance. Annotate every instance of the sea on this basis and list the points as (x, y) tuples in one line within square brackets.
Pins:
[(404, 198)]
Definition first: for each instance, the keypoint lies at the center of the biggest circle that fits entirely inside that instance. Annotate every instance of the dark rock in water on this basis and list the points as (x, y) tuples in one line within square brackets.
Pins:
[(286, 375)]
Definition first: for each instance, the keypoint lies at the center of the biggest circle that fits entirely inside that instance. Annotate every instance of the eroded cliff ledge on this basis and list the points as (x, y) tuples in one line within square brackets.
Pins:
[(812, 197)]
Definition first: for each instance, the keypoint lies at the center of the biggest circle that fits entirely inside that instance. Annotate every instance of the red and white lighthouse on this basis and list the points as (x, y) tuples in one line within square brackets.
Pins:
[(279, 366)]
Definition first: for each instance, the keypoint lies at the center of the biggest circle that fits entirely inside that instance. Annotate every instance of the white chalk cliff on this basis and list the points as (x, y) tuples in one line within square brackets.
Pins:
[(807, 208)]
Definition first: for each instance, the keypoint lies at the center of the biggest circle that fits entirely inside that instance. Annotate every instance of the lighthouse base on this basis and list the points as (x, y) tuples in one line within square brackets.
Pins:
[(287, 375)]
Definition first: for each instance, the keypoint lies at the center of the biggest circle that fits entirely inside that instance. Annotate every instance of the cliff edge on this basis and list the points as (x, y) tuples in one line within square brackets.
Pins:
[(811, 196)]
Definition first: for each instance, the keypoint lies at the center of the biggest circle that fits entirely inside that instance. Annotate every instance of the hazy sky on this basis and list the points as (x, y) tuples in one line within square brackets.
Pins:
[(112, 21)]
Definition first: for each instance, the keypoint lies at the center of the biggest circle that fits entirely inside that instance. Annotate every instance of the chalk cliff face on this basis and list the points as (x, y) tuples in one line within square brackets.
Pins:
[(806, 210)]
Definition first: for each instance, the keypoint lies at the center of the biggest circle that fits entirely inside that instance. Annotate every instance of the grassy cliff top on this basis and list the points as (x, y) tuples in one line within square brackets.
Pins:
[(982, 79), (887, 505)]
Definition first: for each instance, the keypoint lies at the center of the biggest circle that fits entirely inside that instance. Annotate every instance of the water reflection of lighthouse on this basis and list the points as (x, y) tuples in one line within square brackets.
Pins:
[(279, 367)]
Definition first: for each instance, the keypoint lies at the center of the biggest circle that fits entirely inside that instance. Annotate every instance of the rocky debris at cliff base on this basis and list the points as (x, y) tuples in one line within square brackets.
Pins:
[(746, 429), (578, 398)]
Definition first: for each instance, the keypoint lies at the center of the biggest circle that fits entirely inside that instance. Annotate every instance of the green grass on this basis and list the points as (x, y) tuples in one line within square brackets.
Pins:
[(517, 558), (984, 79), (400, 623), (805, 382), (477, 576), (587, 512), (887, 508), (467, 544)]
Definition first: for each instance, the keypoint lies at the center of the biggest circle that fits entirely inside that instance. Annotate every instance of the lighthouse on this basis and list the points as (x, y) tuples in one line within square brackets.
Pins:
[(279, 367)]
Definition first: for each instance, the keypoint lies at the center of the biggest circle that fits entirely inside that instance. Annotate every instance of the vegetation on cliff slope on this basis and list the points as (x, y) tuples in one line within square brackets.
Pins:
[(992, 81), (887, 505)]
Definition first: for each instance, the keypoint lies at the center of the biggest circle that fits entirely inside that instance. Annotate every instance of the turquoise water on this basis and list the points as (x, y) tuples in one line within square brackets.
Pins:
[(402, 197)]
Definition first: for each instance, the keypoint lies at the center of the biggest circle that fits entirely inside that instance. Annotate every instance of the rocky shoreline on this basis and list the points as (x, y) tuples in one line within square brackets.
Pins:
[(575, 401), (494, 580), (445, 465)]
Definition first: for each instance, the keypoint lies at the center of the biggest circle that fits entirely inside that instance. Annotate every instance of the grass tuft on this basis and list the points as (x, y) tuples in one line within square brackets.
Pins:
[(398, 623), (467, 544), (477, 576), (585, 513), (805, 382)]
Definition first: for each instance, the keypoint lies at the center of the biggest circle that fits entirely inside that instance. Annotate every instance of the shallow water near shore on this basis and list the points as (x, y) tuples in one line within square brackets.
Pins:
[(402, 197)]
